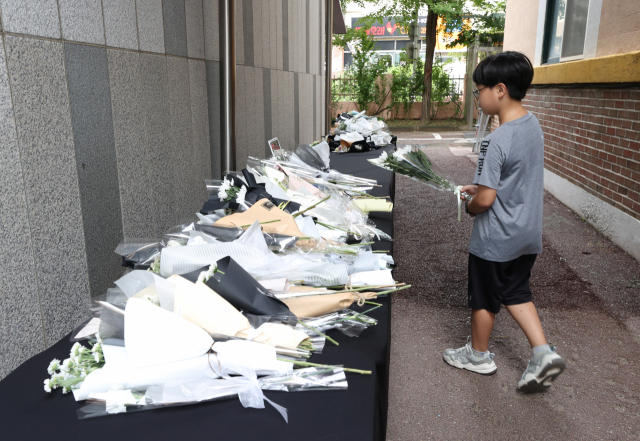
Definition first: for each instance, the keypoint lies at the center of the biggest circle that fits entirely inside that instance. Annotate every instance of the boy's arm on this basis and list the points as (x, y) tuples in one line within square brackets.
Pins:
[(483, 200)]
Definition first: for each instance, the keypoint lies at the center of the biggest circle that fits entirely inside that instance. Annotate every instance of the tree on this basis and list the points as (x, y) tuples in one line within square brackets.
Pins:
[(488, 28), (367, 68), (406, 12)]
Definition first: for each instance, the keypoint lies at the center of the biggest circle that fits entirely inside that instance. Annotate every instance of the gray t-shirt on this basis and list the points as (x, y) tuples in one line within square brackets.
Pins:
[(511, 161)]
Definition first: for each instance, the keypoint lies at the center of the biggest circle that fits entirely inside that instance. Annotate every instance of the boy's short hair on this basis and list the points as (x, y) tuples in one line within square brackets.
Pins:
[(511, 68)]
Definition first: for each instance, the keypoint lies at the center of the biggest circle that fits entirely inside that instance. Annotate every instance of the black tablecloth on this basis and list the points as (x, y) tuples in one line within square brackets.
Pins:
[(359, 413)]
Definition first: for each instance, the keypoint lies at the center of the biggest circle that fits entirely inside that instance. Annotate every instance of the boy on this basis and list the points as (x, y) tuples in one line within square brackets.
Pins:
[(507, 204)]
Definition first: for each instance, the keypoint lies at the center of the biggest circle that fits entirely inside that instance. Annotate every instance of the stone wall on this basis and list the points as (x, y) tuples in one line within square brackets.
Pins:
[(110, 122)]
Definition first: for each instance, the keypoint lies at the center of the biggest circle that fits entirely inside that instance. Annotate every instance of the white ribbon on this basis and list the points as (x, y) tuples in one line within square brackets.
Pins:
[(457, 193), (249, 390)]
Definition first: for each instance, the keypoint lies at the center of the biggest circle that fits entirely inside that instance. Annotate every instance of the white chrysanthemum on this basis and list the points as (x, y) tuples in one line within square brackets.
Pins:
[(96, 357), (53, 366), (222, 191), (75, 349), (47, 385), (98, 338), (241, 194)]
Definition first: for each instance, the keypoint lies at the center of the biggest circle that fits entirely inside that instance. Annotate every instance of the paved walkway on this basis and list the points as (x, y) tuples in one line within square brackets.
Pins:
[(588, 296)]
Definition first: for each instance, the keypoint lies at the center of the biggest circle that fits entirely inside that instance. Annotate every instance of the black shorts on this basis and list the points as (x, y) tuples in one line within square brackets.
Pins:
[(492, 284)]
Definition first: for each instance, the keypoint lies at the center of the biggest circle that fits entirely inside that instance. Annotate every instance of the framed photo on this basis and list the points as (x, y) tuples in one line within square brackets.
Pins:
[(274, 145)]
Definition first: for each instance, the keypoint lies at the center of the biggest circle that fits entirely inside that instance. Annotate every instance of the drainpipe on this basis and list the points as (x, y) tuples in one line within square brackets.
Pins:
[(228, 85), (327, 79)]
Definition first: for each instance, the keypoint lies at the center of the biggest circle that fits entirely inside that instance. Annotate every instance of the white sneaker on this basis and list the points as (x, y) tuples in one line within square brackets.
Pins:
[(541, 372), (463, 358)]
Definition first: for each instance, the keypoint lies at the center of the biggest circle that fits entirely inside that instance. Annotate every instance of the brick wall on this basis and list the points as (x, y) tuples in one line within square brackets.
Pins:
[(592, 139)]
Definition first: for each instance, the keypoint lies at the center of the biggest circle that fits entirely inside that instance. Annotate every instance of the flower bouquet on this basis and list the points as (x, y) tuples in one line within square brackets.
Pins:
[(412, 162)]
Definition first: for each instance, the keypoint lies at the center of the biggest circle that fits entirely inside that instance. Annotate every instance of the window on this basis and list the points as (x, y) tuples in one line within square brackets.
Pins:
[(565, 30)]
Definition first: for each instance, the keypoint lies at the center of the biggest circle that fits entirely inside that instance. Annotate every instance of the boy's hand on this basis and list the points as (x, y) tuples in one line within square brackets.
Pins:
[(470, 190)]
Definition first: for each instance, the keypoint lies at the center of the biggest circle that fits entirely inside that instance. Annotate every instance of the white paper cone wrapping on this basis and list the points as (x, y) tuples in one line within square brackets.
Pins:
[(372, 278), (259, 357), (182, 260), (155, 336), (200, 305), (118, 371), (137, 280), (275, 334)]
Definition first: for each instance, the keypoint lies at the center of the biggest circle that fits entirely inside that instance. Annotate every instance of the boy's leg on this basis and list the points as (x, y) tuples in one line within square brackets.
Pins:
[(545, 365), (526, 316), (482, 322)]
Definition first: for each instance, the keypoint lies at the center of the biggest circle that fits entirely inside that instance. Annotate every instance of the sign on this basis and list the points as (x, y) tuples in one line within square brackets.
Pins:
[(389, 27)]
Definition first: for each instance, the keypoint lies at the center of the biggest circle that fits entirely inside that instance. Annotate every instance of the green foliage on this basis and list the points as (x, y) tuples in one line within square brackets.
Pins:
[(443, 90), (487, 27), (366, 71), (406, 86)]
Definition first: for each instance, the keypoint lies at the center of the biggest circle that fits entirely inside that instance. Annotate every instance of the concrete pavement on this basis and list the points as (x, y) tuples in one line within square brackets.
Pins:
[(588, 296)]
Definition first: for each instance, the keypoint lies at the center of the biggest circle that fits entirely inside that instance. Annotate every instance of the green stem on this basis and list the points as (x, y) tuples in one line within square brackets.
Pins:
[(313, 206), (381, 251), (394, 290), (307, 364), (366, 194), (261, 223), (318, 332), (358, 244)]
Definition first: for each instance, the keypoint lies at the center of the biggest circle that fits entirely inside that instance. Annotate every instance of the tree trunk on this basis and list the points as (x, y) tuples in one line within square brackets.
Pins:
[(432, 30)]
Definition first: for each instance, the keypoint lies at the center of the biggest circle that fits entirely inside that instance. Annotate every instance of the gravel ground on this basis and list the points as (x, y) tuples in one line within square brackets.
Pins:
[(589, 303)]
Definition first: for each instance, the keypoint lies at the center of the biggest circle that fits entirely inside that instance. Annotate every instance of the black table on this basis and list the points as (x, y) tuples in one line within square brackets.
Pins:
[(359, 413)]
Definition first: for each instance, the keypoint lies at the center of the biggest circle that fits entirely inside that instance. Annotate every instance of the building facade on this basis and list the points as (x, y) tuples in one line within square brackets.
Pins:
[(110, 122), (586, 94)]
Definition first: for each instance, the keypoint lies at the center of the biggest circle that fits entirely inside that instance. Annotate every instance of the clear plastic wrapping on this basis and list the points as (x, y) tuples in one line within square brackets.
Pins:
[(192, 392)]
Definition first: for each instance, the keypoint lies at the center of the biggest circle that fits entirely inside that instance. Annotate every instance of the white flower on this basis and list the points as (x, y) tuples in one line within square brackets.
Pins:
[(222, 192), (53, 366), (96, 357), (98, 338), (47, 385), (97, 347), (65, 390), (76, 349), (241, 194)]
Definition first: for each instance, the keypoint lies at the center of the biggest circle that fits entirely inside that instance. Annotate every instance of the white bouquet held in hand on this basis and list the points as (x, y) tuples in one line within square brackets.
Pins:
[(412, 162)]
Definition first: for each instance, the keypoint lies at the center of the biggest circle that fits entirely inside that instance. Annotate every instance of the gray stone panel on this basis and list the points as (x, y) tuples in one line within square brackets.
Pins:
[(296, 108), (120, 23), (257, 34), (211, 29), (307, 21), (45, 138), (195, 28), (255, 102), (240, 40), (276, 102), (278, 35), (213, 101), (200, 125), (150, 25), (273, 34), (266, 34), (20, 316), (82, 20), (288, 115), (185, 183), (244, 83), (267, 101), (134, 174), (175, 27), (31, 17), (315, 108), (155, 114), (97, 167), (285, 34)]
